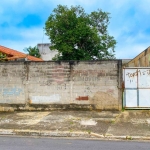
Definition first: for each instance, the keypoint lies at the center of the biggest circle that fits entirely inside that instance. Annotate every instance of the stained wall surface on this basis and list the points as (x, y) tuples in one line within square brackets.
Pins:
[(85, 83)]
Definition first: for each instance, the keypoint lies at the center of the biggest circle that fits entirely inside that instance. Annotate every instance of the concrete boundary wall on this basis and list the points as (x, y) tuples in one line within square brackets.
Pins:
[(66, 84)]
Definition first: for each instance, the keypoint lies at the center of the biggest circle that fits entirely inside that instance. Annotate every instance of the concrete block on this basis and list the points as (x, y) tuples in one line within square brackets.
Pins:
[(70, 80)]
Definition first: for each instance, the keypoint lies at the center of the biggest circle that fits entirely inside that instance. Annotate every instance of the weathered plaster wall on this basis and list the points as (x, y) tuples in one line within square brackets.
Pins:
[(12, 89), (43, 85)]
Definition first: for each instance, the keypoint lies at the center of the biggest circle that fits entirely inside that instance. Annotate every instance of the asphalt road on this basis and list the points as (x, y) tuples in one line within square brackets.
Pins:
[(29, 143)]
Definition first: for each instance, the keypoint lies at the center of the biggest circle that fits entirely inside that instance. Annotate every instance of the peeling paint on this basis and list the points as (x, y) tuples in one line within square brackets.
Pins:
[(12, 91), (62, 84), (102, 99), (45, 99)]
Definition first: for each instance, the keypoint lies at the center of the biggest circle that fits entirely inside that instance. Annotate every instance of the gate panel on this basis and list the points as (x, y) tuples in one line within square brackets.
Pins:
[(144, 78), (130, 78), (137, 88), (144, 97), (131, 98)]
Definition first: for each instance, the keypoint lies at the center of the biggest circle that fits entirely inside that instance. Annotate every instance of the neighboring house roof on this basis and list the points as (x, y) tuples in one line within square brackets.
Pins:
[(13, 54), (141, 60)]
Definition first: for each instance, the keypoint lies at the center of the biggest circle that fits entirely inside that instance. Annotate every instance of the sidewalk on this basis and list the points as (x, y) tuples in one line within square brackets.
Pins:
[(87, 124)]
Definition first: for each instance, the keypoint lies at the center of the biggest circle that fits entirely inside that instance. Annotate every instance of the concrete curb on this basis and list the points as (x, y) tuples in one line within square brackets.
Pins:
[(46, 133), (127, 137)]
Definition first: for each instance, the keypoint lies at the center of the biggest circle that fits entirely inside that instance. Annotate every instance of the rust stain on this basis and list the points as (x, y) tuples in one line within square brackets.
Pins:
[(82, 98)]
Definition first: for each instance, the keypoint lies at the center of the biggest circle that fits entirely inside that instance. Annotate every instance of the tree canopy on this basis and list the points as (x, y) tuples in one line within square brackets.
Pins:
[(33, 51), (78, 35)]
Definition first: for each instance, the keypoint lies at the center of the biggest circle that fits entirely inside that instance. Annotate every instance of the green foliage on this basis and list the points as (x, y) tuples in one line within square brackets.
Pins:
[(33, 51), (78, 35), (3, 57)]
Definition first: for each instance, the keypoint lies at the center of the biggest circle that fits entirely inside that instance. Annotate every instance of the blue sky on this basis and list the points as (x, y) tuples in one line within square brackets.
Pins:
[(22, 22)]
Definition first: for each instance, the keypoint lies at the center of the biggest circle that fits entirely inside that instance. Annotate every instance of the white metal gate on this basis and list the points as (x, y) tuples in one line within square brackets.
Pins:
[(136, 88)]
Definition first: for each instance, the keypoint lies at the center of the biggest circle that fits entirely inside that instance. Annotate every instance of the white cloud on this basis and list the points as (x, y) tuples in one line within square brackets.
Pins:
[(129, 23), (25, 38), (129, 47), (130, 51)]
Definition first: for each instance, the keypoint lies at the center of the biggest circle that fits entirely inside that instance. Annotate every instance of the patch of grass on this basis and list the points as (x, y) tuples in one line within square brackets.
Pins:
[(128, 137), (89, 131), (71, 122), (123, 109), (112, 121)]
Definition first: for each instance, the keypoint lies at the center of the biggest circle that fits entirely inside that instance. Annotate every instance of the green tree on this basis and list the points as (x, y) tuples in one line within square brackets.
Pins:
[(33, 51), (78, 35), (3, 57)]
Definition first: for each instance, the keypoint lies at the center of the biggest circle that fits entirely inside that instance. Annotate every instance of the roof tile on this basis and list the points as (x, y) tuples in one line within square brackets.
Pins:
[(17, 54)]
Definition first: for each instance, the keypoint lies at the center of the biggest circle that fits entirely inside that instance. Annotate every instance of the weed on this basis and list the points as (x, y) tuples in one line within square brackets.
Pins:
[(71, 122), (89, 131), (128, 137)]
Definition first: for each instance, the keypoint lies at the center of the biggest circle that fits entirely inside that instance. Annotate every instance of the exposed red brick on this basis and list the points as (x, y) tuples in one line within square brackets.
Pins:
[(80, 98)]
